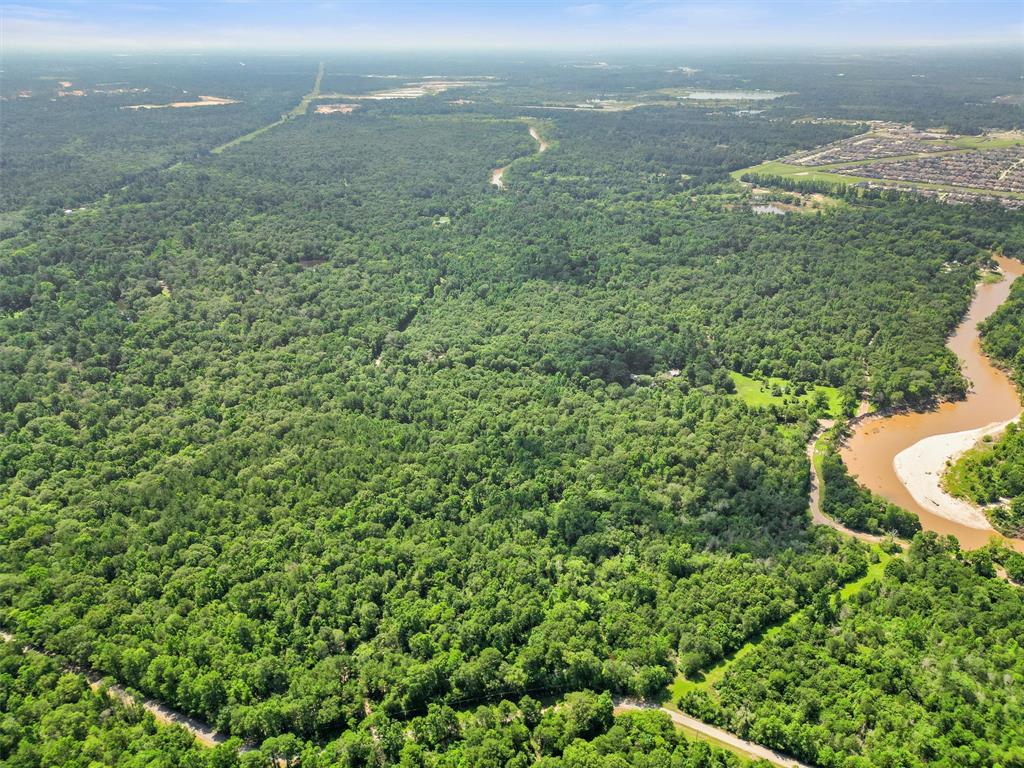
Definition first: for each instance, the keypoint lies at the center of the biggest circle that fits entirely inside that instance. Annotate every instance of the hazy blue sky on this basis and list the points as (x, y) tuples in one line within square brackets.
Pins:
[(251, 24)]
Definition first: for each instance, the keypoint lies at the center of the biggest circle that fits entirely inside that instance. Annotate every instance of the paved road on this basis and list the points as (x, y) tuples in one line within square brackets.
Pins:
[(755, 751)]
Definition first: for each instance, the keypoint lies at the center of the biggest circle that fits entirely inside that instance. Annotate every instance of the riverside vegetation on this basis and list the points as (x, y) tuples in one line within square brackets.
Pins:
[(326, 441)]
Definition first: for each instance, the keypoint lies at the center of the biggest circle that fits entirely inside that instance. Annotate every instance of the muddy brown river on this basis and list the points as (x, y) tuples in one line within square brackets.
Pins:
[(876, 441)]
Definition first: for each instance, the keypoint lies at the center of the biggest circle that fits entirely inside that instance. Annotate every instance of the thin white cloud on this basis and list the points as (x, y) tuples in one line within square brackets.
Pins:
[(591, 26), (586, 10), (32, 12)]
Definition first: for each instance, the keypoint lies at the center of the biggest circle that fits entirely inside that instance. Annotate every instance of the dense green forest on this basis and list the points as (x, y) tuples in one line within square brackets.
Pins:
[(324, 438), (65, 147), (855, 506), (51, 717), (923, 667)]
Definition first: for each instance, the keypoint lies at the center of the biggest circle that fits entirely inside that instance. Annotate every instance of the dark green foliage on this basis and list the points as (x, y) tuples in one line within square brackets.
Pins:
[(1003, 333), (67, 151), (261, 525), (577, 732), (921, 668), (856, 507)]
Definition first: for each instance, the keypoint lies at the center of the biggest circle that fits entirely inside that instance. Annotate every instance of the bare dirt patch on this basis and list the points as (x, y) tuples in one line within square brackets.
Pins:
[(428, 86), (336, 109), (203, 101), (767, 201), (542, 145)]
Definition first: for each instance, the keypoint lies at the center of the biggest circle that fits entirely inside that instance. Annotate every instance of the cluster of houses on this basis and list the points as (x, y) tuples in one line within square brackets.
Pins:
[(1000, 170), (893, 141), (959, 197)]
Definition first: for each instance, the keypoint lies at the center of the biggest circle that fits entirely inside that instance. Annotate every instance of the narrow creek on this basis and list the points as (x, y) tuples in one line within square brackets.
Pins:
[(926, 439), (497, 173)]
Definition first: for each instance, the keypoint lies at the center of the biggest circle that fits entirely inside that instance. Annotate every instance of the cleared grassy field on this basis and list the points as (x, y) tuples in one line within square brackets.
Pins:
[(758, 393), (989, 141)]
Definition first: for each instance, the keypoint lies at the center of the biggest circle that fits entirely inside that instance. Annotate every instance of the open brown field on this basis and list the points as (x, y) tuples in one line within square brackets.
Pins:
[(202, 101)]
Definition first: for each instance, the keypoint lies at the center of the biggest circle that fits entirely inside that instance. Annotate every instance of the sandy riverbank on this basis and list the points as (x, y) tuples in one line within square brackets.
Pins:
[(921, 442), (921, 467)]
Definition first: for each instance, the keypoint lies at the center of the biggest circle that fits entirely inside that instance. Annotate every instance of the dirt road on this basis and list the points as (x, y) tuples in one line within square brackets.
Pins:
[(817, 515), (497, 173), (749, 748), (203, 733)]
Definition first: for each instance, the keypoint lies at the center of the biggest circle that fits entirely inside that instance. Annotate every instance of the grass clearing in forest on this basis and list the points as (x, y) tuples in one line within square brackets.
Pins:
[(958, 476), (764, 393), (996, 140)]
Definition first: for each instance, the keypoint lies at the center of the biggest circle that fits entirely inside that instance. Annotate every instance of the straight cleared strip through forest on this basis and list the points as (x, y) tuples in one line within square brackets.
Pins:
[(299, 110)]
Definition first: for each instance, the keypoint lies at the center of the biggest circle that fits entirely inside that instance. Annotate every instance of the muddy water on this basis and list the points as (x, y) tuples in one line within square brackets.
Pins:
[(875, 443)]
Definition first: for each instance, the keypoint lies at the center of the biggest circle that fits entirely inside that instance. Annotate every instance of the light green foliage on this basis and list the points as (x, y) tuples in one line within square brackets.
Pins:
[(773, 391)]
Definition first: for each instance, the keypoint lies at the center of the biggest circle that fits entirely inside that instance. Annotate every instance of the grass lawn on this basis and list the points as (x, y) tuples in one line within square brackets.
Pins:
[(991, 277), (990, 141), (758, 393)]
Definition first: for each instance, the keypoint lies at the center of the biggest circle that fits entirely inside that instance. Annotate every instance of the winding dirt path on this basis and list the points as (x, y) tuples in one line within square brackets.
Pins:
[(749, 748), (542, 146), (498, 173), (207, 736), (818, 516), (814, 497)]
